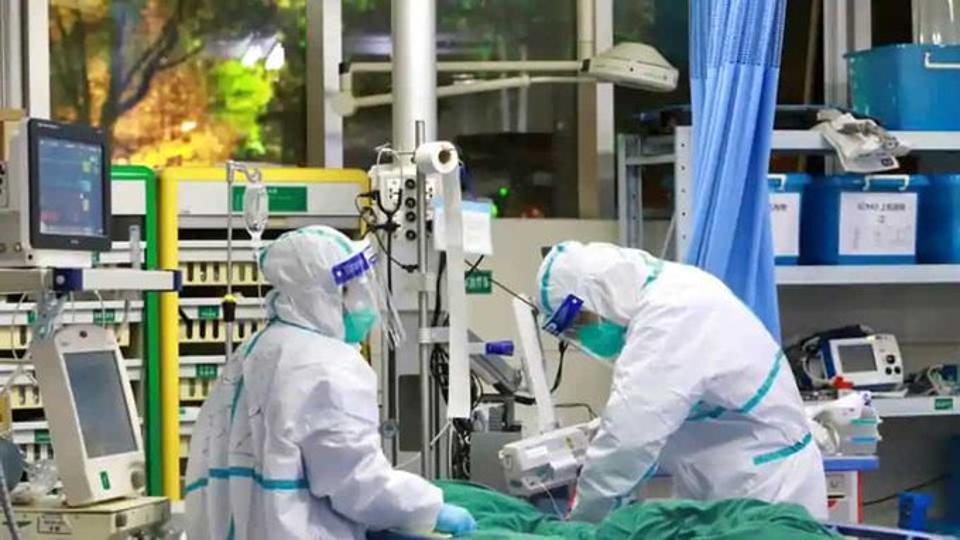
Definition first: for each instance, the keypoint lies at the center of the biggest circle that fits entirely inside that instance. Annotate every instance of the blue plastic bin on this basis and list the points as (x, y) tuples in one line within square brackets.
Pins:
[(939, 241), (786, 195), (912, 87), (850, 220)]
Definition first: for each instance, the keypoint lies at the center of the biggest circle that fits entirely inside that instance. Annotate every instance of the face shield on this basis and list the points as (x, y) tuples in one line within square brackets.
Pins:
[(599, 337), (366, 300)]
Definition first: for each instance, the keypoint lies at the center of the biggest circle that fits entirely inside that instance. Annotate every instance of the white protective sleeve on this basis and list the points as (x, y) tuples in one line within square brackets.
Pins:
[(656, 382)]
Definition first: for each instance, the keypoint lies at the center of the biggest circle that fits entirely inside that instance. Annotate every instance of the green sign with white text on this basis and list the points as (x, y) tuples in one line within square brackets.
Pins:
[(283, 199), (479, 282)]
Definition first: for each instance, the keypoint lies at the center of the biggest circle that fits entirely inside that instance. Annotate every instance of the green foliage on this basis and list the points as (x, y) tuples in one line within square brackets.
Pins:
[(241, 96)]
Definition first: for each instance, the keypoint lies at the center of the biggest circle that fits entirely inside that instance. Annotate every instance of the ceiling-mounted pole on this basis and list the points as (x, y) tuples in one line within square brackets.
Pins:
[(414, 71)]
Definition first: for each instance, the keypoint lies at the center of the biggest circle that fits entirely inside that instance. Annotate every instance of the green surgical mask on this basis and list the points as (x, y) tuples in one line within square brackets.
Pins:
[(603, 339), (357, 325)]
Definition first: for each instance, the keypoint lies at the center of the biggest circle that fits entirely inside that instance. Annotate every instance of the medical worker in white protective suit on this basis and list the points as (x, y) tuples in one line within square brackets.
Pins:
[(287, 445), (700, 388)]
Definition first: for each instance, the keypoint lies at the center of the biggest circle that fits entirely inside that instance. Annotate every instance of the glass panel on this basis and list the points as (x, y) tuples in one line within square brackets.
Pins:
[(521, 145), (662, 24), (98, 396), (178, 82)]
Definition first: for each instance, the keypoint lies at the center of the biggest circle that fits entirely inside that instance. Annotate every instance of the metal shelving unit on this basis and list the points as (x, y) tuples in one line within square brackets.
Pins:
[(918, 406), (868, 275), (636, 152)]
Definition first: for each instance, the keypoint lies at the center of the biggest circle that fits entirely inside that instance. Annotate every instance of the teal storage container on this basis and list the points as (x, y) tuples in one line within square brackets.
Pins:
[(786, 195), (939, 241), (851, 219), (908, 87)]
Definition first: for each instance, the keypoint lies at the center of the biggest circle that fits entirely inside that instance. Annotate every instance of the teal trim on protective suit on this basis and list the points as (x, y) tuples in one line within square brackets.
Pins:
[(700, 413), (256, 339), (545, 280), (200, 483), (656, 268), (784, 453), (232, 532), (765, 388), (268, 484)]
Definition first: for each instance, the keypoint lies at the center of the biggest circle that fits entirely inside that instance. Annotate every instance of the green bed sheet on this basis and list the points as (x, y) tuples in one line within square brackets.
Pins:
[(501, 517)]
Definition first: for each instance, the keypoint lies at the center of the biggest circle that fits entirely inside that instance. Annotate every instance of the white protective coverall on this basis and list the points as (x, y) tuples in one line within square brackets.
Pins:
[(287, 445), (700, 390)]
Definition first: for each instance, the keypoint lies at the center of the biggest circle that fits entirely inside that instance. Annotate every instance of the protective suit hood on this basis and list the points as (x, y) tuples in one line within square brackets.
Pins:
[(597, 273), (299, 265)]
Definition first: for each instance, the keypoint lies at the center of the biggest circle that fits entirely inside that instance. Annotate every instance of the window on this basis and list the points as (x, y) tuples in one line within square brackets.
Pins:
[(520, 145), (183, 81)]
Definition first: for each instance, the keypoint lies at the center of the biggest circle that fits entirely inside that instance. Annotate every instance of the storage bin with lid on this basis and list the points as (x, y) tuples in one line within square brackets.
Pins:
[(907, 87), (939, 232), (852, 219), (786, 194)]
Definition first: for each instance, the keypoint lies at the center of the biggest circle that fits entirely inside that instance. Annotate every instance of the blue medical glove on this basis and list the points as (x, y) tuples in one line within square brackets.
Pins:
[(455, 520)]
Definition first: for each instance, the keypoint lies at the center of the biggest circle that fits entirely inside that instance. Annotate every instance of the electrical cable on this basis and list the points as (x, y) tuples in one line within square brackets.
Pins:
[(556, 507), (8, 507), (473, 267), (927, 483), (584, 406), (511, 292), (559, 376)]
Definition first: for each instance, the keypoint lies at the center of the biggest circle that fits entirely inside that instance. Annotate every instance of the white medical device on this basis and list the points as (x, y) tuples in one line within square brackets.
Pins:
[(872, 362), (54, 195), (848, 426), (633, 65), (90, 408), (545, 462), (552, 458)]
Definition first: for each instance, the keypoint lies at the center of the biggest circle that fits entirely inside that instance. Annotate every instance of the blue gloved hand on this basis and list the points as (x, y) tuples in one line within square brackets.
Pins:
[(455, 520)]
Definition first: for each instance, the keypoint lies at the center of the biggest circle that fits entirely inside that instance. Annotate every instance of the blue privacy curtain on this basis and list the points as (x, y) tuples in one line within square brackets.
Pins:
[(735, 64)]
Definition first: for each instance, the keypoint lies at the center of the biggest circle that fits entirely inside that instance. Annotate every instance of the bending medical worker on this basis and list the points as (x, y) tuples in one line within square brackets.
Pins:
[(700, 388), (287, 445)]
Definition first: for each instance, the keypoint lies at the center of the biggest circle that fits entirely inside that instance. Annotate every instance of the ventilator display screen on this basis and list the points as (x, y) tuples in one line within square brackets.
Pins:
[(70, 179), (101, 404), (857, 358)]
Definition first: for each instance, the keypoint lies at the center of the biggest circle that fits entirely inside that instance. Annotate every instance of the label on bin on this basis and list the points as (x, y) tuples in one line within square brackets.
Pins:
[(878, 224), (785, 220)]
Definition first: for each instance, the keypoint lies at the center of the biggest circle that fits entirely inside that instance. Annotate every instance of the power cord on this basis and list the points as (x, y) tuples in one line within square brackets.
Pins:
[(584, 406), (927, 483), (559, 376)]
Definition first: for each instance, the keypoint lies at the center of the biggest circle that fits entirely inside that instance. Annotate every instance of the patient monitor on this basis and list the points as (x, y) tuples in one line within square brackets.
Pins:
[(54, 195), (91, 412)]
